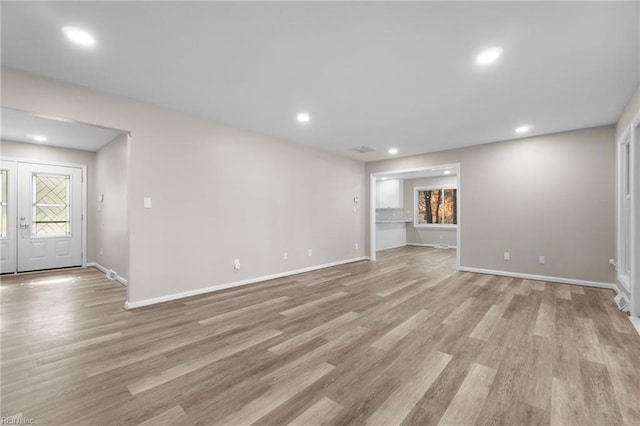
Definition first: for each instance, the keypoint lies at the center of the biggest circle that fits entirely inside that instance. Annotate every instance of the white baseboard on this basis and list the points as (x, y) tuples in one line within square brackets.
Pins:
[(392, 247), (97, 266), (175, 296), (104, 270), (428, 245), (585, 283)]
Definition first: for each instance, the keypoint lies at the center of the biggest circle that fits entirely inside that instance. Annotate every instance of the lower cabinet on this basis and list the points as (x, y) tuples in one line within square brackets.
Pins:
[(390, 235)]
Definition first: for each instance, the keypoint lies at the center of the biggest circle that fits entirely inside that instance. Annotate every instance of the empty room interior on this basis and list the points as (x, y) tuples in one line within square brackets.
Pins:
[(320, 213)]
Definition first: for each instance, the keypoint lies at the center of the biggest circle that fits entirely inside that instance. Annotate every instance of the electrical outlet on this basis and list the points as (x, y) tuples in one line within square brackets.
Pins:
[(356, 246), (541, 260), (285, 256), (441, 236), (355, 209), (236, 263), (101, 251), (310, 252), (507, 256)]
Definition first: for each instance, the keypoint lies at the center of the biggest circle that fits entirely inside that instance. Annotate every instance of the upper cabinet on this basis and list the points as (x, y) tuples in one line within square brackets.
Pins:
[(389, 194)]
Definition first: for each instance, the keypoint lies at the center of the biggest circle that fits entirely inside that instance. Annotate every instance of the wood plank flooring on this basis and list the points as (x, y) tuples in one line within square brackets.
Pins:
[(404, 340)]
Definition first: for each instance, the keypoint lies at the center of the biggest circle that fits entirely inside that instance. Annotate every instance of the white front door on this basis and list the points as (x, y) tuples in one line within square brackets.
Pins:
[(49, 216)]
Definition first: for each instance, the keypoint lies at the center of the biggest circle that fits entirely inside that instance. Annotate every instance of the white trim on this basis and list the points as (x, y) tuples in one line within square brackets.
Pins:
[(11, 239), (430, 245), (97, 266), (631, 281), (392, 247), (85, 214), (459, 214), (622, 200), (128, 211), (104, 270), (572, 281), (175, 296), (373, 194), (635, 212), (433, 225)]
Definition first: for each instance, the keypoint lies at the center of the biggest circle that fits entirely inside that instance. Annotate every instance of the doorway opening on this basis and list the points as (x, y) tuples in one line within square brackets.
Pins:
[(416, 207), (64, 195)]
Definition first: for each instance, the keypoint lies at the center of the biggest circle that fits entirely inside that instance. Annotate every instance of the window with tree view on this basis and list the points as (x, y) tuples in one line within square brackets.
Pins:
[(436, 206)]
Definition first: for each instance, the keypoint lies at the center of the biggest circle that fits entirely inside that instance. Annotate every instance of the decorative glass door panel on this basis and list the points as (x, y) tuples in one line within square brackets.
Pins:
[(51, 204)]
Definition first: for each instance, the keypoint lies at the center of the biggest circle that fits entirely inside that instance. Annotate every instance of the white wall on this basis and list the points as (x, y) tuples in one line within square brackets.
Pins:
[(427, 236), (111, 242), (218, 193), (550, 195), (28, 151)]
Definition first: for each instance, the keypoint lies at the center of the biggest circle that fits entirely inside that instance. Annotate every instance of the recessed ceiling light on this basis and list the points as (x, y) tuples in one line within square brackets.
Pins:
[(393, 151), (447, 172), (79, 36), (303, 117), (383, 178), (523, 129), (489, 55), (39, 138)]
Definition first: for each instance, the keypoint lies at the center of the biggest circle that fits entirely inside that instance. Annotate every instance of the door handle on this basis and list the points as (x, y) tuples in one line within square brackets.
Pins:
[(24, 226)]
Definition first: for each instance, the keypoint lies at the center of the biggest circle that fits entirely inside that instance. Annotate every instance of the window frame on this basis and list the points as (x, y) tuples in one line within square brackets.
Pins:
[(416, 206)]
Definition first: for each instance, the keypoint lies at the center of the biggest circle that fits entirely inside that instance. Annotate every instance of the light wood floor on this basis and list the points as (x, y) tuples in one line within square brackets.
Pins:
[(405, 340)]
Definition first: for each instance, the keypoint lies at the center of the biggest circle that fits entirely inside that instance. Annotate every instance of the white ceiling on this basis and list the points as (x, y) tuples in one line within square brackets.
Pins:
[(378, 74), (20, 126)]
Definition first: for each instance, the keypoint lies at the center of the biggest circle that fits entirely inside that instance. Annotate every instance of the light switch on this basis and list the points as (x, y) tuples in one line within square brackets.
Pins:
[(147, 202)]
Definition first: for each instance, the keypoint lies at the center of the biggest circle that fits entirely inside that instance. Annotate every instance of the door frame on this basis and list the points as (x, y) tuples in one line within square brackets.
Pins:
[(84, 192), (372, 204), (635, 221)]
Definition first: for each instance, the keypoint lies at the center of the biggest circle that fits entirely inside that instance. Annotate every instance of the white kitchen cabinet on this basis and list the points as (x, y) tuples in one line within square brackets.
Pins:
[(389, 194), (390, 235)]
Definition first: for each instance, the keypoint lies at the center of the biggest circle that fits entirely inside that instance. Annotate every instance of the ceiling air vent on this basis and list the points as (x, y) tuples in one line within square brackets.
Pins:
[(363, 149)]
